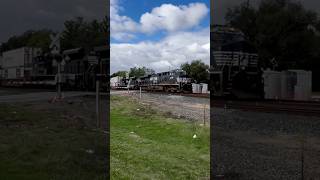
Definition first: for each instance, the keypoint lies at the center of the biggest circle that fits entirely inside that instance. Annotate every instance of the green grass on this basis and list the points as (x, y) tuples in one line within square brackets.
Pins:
[(146, 144), (37, 145)]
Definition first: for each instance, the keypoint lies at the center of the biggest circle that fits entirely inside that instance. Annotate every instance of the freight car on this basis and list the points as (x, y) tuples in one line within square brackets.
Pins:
[(30, 67), (18, 66)]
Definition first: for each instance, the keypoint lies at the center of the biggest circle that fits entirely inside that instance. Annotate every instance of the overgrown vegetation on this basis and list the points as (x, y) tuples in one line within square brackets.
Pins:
[(146, 144)]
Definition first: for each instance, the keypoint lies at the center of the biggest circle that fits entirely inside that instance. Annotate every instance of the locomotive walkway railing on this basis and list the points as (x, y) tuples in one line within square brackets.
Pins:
[(230, 58)]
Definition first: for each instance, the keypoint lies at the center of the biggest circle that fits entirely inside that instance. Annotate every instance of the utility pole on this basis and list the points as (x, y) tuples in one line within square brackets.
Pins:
[(101, 56)]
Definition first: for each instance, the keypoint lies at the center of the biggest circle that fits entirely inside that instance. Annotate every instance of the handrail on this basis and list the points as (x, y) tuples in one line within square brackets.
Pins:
[(232, 58)]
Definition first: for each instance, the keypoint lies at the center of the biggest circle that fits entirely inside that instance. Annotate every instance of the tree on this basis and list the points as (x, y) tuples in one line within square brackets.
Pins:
[(40, 39), (140, 71), (120, 73), (31, 38), (280, 30), (77, 33), (80, 33), (197, 70)]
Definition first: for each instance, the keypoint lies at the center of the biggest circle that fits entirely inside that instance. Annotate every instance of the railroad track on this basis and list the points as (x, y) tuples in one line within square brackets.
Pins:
[(181, 94), (288, 107), (304, 108)]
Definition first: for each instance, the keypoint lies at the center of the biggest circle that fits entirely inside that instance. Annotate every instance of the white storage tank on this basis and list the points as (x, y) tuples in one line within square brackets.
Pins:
[(303, 86), (288, 81), (196, 88), (288, 85), (204, 88), (272, 84)]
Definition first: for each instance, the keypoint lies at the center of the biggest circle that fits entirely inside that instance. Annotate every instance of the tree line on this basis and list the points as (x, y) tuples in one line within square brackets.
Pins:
[(197, 70), (77, 32)]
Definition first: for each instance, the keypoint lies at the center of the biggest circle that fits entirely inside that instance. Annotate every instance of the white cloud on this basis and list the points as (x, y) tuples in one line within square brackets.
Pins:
[(167, 17), (173, 18), (121, 26), (169, 53), (120, 36)]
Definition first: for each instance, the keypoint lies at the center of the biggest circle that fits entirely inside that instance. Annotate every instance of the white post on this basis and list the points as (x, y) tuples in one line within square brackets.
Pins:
[(204, 114), (98, 102), (59, 80)]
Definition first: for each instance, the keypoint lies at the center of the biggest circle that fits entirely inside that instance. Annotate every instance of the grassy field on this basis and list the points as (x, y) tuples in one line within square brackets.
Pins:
[(148, 145), (44, 144)]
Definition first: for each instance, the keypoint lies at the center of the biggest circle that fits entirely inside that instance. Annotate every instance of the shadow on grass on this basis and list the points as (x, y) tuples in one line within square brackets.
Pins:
[(43, 144)]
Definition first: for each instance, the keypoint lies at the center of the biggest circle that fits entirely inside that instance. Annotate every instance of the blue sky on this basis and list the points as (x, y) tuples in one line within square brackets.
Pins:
[(135, 8), (159, 34)]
